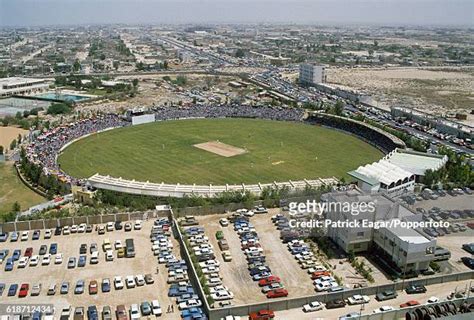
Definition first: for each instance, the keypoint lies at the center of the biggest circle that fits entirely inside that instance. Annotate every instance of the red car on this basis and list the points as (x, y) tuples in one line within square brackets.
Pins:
[(410, 303), (319, 274), (23, 290), (29, 252), (269, 280), (93, 287), (277, 293), (262, 315)]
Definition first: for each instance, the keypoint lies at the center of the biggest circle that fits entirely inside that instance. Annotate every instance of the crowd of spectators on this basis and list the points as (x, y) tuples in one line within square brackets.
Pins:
[(228, 111), (374, 136), (45, 148)]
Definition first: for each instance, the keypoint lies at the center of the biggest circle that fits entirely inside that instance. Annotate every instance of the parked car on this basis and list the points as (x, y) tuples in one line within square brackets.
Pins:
[(93, 287), (262, 315), (313, 306), (105, 285), (145, 308), (384, 309), (71, 263), (134, 312), (79, 288), (416, 288), (410, 303), (156, 308), (79, 313), (386, 295), (92, 313), (64, 287), (121, 312), (106, 313), (358, 299), (277, 293), (23, 290), (12, 290), (337, 303)]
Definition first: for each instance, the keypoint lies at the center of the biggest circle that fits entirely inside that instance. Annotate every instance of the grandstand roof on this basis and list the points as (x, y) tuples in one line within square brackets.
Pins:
[(382, 171), (416, 162)]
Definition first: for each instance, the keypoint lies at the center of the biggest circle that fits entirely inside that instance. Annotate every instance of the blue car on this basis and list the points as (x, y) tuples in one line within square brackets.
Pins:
[(37, 315), (14, 236), (16, 255), (92, 313), (82, 261), (9, 264), (193, 313), (3, 237), (12, 290), (53, 248), (4, 253)]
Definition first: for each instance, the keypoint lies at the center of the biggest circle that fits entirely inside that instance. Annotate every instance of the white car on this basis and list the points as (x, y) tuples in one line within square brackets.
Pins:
[(324, 279), (110, 226), (109, 255), (224, 222), (313, 306), (249, 213), (214, 281), (433, 300), (140, 280), (137, 225), (47, 234), (66, 230), (118, 283), (58, 259), (82, 228), (253, 249), (155, 308), (134, 311), (209, 263), (325, 286), (210, 269), (384, 309), (46, 259), (222, 295), (130, 282), (358, 299), (22, 262), (316, 268), (25, 235), (73, 228), (34, 260), (191, 303), (218, 288), (118, 244)]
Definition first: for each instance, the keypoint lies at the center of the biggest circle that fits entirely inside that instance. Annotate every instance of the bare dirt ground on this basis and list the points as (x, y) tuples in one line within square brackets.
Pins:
[(8, 134), (438, 290), (220, 148), (433, 90), (235, 273), (143, 263)]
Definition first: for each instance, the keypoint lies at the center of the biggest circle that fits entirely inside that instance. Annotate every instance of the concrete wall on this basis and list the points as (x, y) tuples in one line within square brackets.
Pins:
[(290, 303), (69, 221)]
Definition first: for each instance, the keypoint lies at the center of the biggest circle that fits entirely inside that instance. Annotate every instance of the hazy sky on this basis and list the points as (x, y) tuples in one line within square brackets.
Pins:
[(64, 12)]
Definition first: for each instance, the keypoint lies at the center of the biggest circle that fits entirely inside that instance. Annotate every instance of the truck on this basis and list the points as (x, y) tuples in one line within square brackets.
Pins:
[(65, 313)]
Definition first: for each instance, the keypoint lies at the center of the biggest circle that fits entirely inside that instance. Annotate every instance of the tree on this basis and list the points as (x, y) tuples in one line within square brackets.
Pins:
[(165, 65), (16, 207), (1, 150), (19, 138), (13, 144), (239, 53), (58, 108), (135, 83), (338, 108), (76, 66)]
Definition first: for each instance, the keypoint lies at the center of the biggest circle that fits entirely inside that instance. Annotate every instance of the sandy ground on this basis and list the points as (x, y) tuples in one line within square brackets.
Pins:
[(220, 148), (236, 275), (8, 134), (434, 90), (438, 290), (143, 263)]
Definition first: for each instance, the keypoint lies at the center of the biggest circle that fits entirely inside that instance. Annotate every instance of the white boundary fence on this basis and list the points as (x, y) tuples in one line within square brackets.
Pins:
[(180, 190)]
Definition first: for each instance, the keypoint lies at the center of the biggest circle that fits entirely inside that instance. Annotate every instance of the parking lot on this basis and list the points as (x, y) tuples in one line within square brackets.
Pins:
[(440, 291), (143, 263), (236, 274)]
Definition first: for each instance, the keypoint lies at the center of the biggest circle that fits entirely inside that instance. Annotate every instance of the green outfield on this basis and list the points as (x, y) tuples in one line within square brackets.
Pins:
[(165, 152)]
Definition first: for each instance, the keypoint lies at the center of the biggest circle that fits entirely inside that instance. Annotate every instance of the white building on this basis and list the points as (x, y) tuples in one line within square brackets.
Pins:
[(16, 85), (311, 74), (407, 250), (397, 172)]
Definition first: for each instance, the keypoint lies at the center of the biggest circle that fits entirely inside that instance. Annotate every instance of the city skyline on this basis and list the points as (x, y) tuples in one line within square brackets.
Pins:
[(370, 12)]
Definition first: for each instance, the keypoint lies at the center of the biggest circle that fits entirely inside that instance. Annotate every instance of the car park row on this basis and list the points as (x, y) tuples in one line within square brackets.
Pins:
[(271, 285), (209, 266)]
